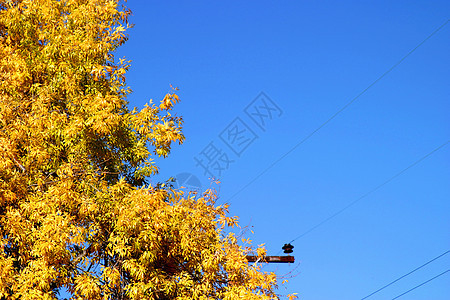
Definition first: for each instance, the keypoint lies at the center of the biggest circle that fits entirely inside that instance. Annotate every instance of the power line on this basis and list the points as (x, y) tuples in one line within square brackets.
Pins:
[(421, 284), (370, 192), (392, 282), (337, 113)]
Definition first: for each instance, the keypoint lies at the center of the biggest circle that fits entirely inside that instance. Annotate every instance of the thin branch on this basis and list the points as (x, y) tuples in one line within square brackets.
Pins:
[(19, 164)]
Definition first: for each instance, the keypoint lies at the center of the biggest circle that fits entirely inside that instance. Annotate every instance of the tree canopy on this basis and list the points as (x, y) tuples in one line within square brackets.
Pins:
[(76, 209)]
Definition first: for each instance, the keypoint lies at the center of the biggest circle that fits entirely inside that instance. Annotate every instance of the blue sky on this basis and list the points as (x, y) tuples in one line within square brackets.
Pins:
[(311, 58)]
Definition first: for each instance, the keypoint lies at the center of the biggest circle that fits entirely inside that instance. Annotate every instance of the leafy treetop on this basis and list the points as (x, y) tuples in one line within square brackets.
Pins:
[(76, 211)]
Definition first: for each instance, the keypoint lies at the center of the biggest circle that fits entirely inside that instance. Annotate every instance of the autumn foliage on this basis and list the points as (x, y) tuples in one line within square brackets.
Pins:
[(76, 211)]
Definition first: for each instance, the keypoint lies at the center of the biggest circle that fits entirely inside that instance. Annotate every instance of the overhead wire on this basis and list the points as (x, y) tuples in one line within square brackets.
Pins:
[(403, 276), (337, 113), (370, 192), (419, 285)]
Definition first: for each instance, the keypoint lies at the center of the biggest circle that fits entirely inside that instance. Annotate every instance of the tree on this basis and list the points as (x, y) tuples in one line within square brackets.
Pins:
[(76, 211)]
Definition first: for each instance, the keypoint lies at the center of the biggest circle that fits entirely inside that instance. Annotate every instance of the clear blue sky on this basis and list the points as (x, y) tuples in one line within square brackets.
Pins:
[(312, 58)]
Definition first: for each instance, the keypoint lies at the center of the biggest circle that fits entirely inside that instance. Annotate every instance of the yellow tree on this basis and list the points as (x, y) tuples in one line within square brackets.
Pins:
[(76, 211)]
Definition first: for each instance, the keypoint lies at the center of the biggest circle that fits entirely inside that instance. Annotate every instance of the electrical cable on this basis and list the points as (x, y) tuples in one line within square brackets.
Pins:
[(421, 284), (369, 192), (337, 113), (401, 277)]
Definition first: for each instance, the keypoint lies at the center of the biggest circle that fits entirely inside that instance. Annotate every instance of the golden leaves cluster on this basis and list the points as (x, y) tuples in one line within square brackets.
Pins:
[(76, 211)]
